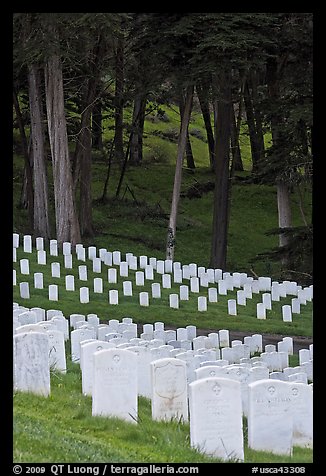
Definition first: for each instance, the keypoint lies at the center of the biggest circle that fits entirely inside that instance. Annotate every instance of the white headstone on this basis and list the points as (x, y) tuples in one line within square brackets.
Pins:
[(70, 282), (212, 295), (144, 299), (55, 270), (53, 292), (97, 265), (270, 419), (149, 272), (166, 281), (38, 280), (115, 384), (87, 351), (67, 261), (156, 290), (127, 288), (41, 257), (57, 351), (140, 278), (98, 285), (224, 338), (27, 244), (31, 363), (84, 295), (116, 257), (66, 248), (112, 275), (302, 411), (91, 252), (286, 313), (53, 248), (24, 266), (15, 240), (76, 337), (216, 418), (232, 307), (169, 389), (261, 310), (123, 269), (202, 303), (174, 301), (184, 293), (114, 296), (82, 270)]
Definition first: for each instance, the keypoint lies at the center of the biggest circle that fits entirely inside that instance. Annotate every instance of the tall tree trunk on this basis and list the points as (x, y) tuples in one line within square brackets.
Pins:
[(237, 165), (97, 142), (282, 188), (170, 245), (85, 197), (201, 90), (41, 208), (67, 225), (223, 110), (138, 120), (254, 142), (284, 210), (28, 171), (118, 102)]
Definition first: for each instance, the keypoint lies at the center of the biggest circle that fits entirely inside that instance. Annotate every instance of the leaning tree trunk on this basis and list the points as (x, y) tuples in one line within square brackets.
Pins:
[(223, 109), (189, 154), (41, 207), (170, 245), (67, 225)]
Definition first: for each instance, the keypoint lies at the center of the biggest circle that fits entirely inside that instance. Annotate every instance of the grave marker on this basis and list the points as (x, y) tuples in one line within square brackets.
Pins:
[(31, 363), (216, 418), (270, 419), (169, 389), (115, 384)]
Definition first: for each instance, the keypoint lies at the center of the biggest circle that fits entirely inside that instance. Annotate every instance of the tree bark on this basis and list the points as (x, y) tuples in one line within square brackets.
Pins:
[(118, 102), (284, 210), (41, 207), (204, 105), (97, 142), (189, 154), (170, 245), (138, 120), (282, 188), (67, 225), (237, 165), (222, 106)]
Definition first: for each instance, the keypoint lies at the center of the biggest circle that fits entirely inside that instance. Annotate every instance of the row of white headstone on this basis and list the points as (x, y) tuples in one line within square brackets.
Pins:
[(185, 376), (224, 281), (202, 277), (174, 298)]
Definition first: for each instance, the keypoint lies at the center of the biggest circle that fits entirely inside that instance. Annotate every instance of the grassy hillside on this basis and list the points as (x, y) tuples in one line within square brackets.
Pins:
[(137, 221)]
